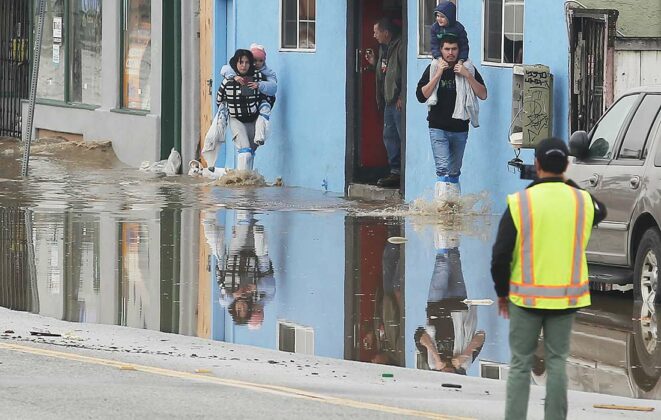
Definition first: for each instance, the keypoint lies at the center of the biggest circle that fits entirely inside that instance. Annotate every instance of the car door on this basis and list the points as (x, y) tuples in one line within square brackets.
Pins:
[(588, 172), (624, 181)]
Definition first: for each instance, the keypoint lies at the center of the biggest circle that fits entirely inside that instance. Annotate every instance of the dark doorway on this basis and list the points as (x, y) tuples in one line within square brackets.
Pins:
[(14, 63), (591, 43), (366, 159)]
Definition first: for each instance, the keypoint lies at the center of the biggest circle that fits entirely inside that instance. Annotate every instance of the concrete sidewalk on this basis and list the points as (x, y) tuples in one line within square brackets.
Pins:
[(104, 371)]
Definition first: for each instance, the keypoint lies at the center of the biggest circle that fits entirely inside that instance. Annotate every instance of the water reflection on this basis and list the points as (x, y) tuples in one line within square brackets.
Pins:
[(450, 341), (243, 270), (343, 290)]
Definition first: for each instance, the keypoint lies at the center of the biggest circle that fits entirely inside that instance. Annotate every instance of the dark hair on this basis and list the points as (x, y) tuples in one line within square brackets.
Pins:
[(387, 24), (240, 53), (235, 314), (552, 154), (449, 39)]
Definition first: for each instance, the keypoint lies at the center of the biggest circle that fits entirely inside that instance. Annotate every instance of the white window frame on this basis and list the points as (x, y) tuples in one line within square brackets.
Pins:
[(502, 34), (298, 22), (422, 54)]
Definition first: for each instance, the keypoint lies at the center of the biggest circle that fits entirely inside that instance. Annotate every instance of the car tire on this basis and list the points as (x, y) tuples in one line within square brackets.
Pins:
[(645, 354), (646, 268)]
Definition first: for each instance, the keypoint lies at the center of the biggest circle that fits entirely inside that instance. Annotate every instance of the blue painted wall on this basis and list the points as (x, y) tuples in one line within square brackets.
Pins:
[(309, 119), (307, 144), (487, 153)]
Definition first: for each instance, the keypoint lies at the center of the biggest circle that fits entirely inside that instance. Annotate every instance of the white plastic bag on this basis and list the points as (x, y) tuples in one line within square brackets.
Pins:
[(215, 135)]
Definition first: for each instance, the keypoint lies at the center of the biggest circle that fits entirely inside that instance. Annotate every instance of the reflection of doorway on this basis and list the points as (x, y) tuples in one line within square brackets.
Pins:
[(366, 158), (374, 293)]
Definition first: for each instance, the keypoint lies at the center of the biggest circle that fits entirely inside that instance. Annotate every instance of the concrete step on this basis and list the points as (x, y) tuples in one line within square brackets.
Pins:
[(372, 192)]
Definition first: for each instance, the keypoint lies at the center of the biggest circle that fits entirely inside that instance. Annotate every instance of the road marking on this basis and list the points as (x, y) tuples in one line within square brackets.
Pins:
[(269, 389)]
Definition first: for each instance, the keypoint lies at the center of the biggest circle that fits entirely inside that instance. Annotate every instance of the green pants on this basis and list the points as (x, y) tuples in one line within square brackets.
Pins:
[(525, 327)]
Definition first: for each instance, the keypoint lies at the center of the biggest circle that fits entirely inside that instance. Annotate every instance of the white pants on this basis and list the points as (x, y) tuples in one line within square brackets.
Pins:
[(243, 135)]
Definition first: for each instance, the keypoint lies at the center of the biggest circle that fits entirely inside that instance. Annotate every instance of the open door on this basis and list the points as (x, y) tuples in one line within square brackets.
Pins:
[(366, 159)]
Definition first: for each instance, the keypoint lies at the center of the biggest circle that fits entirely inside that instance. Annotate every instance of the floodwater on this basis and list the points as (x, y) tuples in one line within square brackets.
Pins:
[(87, 239)]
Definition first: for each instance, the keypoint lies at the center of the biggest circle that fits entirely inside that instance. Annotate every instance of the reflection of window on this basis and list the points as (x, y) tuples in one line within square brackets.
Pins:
[(493, 370), (605, 134), (295, 338), (426, 19), (503, 31), (639, 128), (298, 20), (71, 48), (136, 57)]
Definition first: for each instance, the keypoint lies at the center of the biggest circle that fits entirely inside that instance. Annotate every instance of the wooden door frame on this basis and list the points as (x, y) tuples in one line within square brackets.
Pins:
[(353, 95)]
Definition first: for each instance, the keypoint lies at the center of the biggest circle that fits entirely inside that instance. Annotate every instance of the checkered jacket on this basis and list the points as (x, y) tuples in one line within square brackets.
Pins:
[(243, 107)]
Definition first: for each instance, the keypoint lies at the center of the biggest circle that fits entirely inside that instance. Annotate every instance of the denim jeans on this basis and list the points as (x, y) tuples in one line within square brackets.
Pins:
[(448, 149), (392, 137)]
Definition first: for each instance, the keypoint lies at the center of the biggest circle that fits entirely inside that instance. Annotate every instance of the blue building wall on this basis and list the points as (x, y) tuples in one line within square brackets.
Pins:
[(488, 151), (309, 118), (307, 144)]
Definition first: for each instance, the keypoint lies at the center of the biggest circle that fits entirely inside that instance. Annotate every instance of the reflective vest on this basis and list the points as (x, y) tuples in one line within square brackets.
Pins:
[(549, 268)]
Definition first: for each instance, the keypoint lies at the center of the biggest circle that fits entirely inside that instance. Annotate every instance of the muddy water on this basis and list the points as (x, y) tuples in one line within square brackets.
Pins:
[(86, 239)]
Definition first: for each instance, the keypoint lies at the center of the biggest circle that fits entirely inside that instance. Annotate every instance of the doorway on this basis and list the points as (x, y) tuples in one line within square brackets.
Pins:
[(366, 158)]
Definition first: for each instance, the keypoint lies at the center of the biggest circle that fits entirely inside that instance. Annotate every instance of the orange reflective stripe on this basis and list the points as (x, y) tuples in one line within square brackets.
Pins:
[(579, 238), (526, 235)]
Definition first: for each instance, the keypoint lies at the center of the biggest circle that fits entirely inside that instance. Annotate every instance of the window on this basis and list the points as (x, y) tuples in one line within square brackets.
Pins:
[(639, 129), (297, 31), (136, 55), (425, 20), (503, 31), (605, 134), (70, 62)]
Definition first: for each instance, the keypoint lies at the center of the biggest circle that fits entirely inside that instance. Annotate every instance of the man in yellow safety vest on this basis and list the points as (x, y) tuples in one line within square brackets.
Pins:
[(540, 274)]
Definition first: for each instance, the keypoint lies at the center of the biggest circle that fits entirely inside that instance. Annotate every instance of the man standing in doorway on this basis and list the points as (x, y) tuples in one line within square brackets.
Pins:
[(448, 135), (388, 94), (540, 273)]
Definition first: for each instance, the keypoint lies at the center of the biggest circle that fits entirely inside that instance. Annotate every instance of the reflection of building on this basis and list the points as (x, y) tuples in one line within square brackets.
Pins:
[(110, 71)]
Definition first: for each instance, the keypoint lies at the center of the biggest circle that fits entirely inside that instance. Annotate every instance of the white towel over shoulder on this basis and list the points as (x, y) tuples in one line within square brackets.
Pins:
[(466, 106)]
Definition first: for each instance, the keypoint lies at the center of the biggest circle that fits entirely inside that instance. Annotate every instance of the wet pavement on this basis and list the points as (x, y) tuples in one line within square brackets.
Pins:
[(87, 239)]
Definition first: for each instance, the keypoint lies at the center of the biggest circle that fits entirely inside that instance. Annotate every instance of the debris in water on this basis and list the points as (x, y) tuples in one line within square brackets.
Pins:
[(475, 302), (278, 182), (397, 240), (44, 334), (623, 407)]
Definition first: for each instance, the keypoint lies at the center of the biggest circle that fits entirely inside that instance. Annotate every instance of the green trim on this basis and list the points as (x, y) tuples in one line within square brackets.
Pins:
[(66, 43), (129, 111), (171, 78), (62, 104), (122, 32)]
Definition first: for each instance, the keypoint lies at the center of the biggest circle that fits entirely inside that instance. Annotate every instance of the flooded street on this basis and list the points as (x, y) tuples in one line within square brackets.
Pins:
[(87, 239)]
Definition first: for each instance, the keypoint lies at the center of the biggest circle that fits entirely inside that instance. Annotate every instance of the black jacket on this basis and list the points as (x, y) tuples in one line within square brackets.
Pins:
[(503, 248)]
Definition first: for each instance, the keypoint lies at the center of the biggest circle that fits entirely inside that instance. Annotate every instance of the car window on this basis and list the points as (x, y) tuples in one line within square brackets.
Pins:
[(639, 129), (605, 134)]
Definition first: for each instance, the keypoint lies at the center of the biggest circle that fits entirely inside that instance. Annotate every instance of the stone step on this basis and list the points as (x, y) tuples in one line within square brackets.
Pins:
[(372, 192)]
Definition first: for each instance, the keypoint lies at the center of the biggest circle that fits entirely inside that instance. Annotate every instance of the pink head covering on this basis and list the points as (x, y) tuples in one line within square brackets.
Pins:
[(258, 51)]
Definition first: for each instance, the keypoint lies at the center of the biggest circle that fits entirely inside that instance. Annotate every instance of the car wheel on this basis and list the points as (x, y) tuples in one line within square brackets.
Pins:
[(646, 268), (645, 353)]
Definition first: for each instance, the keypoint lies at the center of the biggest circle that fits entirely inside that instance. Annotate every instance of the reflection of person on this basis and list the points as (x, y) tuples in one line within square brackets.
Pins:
[(243, 271), (446, 23), (448, 134), (268, 86), (388, 93), (242, 102), (539, 262), (450, 341), (387, 335)]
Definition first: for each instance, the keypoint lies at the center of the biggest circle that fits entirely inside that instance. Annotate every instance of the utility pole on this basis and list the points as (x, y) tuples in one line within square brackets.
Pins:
[(27, 133)]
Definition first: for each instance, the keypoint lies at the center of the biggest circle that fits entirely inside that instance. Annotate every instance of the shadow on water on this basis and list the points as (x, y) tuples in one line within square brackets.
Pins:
[(286, 269)]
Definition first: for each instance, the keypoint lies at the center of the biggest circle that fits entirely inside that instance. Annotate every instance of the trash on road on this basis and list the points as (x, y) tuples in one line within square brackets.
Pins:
[(387, 375), (623, 407), (44, 334), (475, 302), (202, 371), (448, 385), (397, 240), (8, 332)]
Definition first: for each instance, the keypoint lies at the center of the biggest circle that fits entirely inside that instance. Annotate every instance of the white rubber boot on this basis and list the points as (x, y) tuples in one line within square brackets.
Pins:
[(454, 191), (244, 161), (445, 239), (441, 190)]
